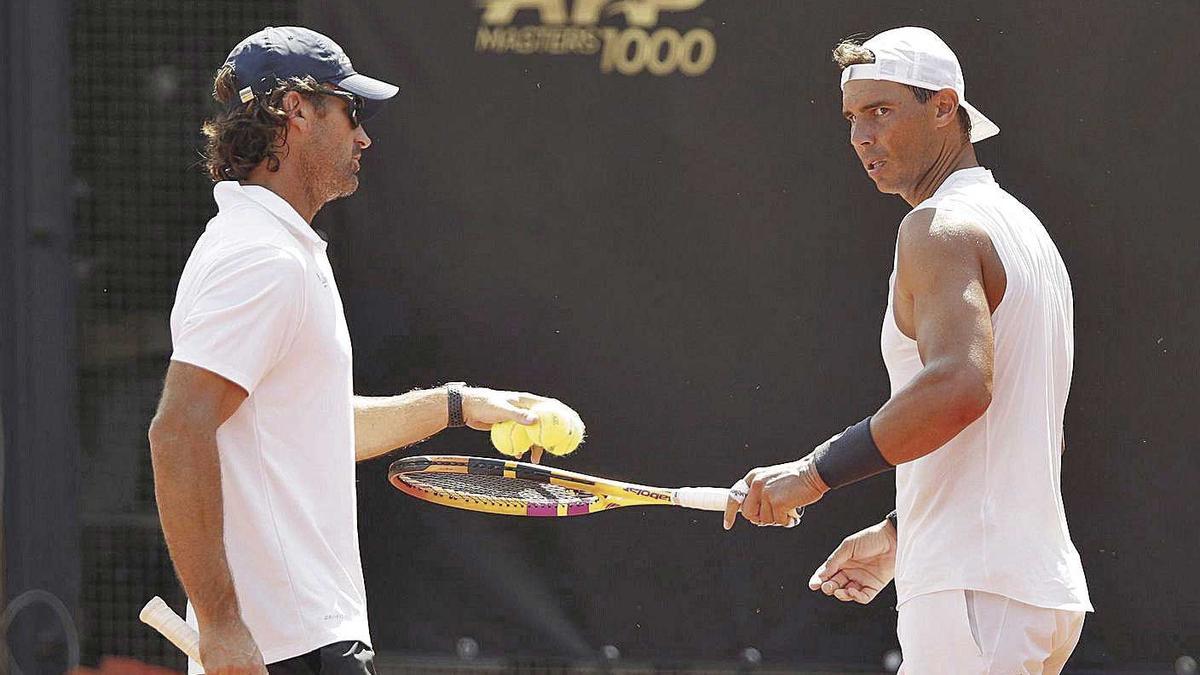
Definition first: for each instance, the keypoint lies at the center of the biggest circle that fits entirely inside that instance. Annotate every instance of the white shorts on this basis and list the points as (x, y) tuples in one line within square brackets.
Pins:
[(977, 633)]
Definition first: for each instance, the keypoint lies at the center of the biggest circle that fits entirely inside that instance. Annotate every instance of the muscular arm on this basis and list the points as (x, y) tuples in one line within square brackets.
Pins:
[(187, 483), (940, 280), (942, 299)]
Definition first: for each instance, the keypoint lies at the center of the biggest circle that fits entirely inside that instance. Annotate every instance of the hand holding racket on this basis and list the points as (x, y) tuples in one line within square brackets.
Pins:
[(774, 494), (518, 489), (235, 653)]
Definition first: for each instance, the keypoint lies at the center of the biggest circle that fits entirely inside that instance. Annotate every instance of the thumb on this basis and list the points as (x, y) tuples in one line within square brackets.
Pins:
[(840, 556)]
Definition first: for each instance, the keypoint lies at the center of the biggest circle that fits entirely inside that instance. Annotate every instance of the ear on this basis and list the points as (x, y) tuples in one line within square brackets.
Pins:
[(293, 104), (946, 103)]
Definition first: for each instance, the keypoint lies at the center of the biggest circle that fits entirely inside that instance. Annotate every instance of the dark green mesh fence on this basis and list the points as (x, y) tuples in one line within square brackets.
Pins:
[(142, 76)]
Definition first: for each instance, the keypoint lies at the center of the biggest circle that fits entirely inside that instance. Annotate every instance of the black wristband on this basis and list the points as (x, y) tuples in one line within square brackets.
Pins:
[(894, 520), (454, 410), (851, 458)]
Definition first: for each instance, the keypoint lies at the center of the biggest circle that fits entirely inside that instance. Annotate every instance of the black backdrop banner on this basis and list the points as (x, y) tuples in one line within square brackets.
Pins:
[(649, 210)]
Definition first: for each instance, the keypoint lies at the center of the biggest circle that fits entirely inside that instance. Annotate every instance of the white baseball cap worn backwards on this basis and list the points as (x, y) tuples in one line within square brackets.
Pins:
[(918, 57)]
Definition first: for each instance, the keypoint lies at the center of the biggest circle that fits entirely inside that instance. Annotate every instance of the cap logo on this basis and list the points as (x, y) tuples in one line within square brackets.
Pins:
[(245, 94)]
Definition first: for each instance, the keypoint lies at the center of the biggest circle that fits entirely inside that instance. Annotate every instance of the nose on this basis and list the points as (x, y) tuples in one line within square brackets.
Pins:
[(362, 139), (861, 134)]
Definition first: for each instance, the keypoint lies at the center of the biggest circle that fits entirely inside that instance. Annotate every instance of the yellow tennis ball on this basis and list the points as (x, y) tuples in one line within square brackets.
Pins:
[(559, 430), (510, 439)]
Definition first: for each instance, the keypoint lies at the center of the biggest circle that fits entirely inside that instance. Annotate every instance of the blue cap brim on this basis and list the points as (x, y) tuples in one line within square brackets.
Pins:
[(368, 87)]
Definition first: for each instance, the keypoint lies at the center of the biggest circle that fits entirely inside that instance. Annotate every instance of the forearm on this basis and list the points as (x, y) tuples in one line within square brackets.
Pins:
[(384, 423), (187, 488), (935, 407), (938, 404)]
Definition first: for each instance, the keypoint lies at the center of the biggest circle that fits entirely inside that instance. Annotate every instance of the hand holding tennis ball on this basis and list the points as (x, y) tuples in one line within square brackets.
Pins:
[(559, 429)]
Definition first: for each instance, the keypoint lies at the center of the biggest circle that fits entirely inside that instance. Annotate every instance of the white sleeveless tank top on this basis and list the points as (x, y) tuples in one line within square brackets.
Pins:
[(985, 511)]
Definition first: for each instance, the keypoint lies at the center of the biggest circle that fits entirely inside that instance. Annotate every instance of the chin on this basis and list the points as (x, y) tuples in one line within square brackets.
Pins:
[(886, 188), (349, 187)]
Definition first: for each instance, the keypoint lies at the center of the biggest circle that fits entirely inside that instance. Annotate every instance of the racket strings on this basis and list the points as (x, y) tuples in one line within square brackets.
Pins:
[(483, 489)]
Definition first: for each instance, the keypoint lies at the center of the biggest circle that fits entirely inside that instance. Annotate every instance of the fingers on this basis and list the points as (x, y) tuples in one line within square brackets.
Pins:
[(862, 595), (483, 406), (785, 517), (853, 592), (752, 503), (852, 585), (497, 412), (766, 512), (731, 510), (834, 583), (833, 564), (737, 495), (525, 400), (515, 414)]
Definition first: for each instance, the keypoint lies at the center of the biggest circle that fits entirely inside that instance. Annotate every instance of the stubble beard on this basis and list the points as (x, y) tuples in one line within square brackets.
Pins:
[(328, 182)]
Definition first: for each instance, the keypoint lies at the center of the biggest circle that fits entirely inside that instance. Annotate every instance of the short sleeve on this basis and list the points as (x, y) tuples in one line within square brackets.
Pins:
[(241, 316)]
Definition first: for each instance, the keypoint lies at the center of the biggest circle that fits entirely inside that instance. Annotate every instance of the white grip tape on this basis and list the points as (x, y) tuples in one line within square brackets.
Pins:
[(163, 619), (739, 492), (703, 498)]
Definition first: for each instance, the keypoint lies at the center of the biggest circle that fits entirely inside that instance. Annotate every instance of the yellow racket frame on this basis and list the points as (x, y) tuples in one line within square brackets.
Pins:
[(605, 494)]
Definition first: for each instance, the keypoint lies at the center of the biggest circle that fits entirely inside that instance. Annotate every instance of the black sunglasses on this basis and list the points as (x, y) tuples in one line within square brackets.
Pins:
[(355, 107)]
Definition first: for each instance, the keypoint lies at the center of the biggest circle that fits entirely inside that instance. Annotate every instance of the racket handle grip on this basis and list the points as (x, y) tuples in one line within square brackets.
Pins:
[(703, 498), (163, 619)]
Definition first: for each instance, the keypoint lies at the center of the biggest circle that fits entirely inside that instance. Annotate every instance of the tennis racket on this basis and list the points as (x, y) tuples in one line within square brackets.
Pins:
[(514, 488), (163, 619)]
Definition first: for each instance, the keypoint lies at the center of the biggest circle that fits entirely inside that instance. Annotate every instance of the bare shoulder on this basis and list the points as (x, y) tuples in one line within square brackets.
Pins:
[(939, 232), (936, 247)]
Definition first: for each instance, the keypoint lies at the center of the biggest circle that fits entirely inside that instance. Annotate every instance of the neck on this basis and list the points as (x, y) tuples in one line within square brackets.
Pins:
[(950, 158), (291, 189)]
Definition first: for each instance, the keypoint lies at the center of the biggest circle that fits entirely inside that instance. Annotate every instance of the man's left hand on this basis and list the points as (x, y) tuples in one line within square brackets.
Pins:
[(775, 491)]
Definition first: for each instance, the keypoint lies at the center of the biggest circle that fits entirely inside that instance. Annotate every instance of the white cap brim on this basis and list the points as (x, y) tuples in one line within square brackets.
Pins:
[(368, 87), (981, 126)]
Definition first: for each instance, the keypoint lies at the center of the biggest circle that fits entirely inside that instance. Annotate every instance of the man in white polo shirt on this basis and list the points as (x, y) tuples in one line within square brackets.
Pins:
[(258, 429), (978, 343)]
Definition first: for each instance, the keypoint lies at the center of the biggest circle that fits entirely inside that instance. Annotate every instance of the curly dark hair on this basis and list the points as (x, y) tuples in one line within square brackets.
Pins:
[(851, 52), (241, 136)]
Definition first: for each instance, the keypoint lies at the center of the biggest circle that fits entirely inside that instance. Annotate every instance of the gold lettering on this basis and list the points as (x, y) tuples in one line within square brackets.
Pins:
[(658, 63), (488, 40), (644, 13), (502, 12), (587, 12), (693, 62), (629, 51), (525, 41), (631, 64)]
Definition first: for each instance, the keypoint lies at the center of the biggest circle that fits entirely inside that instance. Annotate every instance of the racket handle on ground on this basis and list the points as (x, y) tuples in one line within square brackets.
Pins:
[(703, 498), (163, 619)]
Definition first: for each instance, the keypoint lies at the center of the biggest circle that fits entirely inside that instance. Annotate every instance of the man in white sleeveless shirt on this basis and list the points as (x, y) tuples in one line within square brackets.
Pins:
[(978, 343), (258, 429)]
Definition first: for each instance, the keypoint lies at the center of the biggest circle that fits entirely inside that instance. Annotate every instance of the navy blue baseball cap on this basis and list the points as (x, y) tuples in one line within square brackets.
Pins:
[(276, 53)]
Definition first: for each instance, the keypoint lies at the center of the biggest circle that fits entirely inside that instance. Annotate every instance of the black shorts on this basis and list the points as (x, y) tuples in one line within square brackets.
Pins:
[(339, 658)]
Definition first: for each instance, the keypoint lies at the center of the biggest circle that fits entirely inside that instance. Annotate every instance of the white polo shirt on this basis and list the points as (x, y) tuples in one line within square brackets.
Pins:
[(257, 304)]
